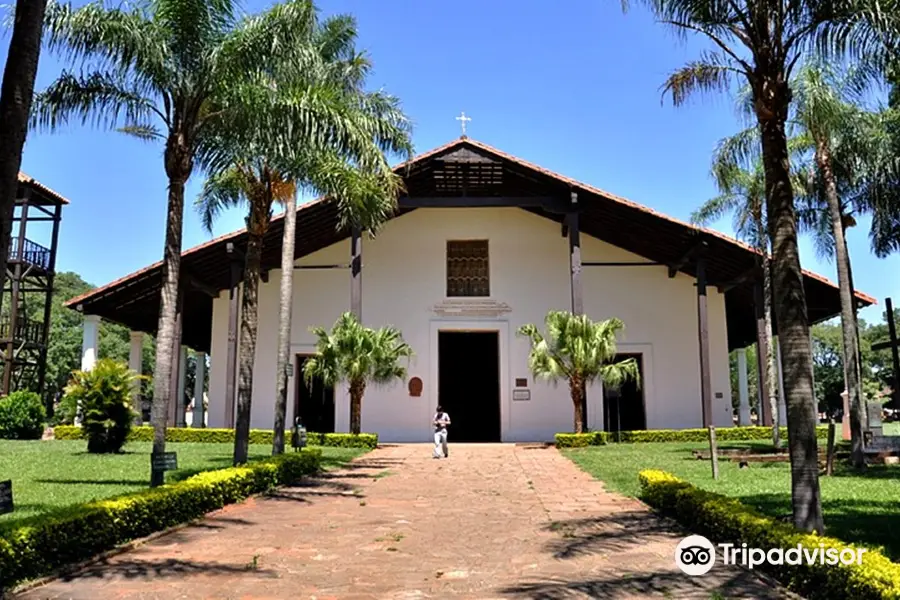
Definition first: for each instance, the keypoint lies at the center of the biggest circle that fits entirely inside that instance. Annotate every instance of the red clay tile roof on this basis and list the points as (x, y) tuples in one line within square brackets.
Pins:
[(28, 180), (487, 148)]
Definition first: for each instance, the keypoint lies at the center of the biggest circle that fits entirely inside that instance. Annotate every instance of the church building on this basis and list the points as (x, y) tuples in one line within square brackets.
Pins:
[(482, 243)]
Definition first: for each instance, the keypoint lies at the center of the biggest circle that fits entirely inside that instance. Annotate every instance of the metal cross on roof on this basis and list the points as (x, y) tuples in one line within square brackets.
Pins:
[(463, 119)]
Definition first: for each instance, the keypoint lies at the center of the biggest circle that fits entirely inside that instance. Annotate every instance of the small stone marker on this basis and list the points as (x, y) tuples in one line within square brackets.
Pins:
[(6, 497), (166, 461)]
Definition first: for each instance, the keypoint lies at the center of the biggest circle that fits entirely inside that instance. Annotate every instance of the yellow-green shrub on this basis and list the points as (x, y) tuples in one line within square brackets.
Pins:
[(725, 434), (726, 520), (226, 436), (36, 546)]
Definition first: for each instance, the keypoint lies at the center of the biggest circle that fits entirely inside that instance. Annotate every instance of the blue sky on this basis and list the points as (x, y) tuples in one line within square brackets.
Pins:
[(574, 90)]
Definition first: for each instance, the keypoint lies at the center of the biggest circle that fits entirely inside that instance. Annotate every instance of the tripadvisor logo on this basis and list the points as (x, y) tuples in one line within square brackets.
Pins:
[(696, 555)]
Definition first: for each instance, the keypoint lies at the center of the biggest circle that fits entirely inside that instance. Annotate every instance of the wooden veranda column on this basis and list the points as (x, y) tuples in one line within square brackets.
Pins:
[(236, 260), (703, 334), (762, 351), (576, 288), (895, 351), (356, 272), (177, 364), (575, 264)]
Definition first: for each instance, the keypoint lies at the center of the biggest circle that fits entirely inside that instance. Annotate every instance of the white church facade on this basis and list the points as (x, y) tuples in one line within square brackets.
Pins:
[(482, 243)]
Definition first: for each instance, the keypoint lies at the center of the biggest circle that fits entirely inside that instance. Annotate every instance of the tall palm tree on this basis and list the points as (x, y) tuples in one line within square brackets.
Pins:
[(358, 356), (248, 164), (759, 42), (579, 351), (163, 71), (743, 192), (257, 185), (15, 103), (842, 138)]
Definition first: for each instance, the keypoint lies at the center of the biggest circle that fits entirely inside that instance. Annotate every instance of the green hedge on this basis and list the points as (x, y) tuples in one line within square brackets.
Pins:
[(224, 436), (725, 519), (34, 547), (725, 434)]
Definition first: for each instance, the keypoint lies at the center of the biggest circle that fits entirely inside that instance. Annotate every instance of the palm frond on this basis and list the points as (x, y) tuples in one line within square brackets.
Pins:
[(146, 132), (124, 41), (103, 99), (710, 74), (221, 190)]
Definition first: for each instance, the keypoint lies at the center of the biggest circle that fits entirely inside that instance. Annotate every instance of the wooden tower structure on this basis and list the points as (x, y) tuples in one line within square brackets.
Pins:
[(28, 286)]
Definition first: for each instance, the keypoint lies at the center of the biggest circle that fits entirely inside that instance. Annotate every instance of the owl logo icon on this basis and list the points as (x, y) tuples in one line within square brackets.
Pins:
[(695, 555)]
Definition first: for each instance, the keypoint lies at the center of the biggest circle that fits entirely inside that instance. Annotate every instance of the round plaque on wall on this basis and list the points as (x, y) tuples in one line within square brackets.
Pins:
[(415, 387)]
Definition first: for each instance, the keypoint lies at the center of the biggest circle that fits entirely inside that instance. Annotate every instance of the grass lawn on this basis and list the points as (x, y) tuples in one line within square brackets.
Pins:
[(52, 474), (858, 508), (891, 428)]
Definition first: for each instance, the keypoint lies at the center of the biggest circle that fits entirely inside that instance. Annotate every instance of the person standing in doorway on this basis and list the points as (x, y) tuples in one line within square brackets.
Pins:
[(441, 421)]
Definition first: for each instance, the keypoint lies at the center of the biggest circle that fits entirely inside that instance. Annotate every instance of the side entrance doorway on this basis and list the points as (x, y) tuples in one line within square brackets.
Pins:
[(469, 384), (624, 407), (313, 402)]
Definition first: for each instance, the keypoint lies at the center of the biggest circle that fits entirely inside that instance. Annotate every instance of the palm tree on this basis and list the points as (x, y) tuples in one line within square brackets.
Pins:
[(579, 351), (842, 139), (743, 192), (15, 104), (358, 356), (160, 71), (285, 304), (759, 42), (250, 164), (259, 186), (365, 199)]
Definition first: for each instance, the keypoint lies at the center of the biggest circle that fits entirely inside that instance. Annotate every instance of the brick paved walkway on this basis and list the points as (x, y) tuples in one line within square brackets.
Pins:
[(492, 522)]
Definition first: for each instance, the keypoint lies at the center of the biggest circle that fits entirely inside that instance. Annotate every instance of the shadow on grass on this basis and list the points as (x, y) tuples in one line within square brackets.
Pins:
[(869, 522), (155, 569), (735, 583), (117, 482)]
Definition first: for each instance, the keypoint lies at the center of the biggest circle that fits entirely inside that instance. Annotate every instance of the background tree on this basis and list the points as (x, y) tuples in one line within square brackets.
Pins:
[(15, 104), (159, 71), (579, 351), (357, 356), (740, 178)]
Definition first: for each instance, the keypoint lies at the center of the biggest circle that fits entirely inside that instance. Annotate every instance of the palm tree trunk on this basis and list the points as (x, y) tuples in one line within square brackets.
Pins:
[(15, 104), (284, 322), (357, 389), (772, 101), (848, 316), (576, 390), (256, 228), (179, 165), (771, 358)]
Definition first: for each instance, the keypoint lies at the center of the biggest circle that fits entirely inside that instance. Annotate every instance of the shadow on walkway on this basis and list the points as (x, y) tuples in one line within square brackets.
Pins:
[(155, 569), (739, 584), (606, 534)]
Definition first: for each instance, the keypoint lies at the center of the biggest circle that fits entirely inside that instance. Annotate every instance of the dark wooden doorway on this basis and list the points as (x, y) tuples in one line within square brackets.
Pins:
[(624, 408), (313, 402), (469, 384)]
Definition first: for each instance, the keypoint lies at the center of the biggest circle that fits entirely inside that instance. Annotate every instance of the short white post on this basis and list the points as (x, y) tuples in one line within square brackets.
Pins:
[(179, 401), (135, 363), (782, 406), (198, 418), (90, 343), (743, 388)]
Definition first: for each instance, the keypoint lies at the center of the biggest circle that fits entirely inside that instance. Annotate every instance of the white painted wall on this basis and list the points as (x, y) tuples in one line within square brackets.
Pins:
[(404, 277)]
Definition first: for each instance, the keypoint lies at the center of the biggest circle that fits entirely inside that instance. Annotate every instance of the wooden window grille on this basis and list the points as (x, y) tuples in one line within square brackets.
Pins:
[(468, 269)]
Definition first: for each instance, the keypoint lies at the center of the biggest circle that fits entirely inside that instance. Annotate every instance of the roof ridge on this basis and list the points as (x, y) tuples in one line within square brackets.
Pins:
[(506, 156)]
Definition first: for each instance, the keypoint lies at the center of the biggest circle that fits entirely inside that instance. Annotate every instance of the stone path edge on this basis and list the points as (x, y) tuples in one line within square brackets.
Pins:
[(74, 568)]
